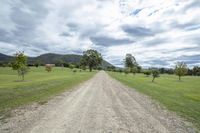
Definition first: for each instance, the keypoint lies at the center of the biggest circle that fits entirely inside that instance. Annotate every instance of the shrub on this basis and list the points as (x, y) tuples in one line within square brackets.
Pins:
[(48, 68), (126, 71), (74, 71)]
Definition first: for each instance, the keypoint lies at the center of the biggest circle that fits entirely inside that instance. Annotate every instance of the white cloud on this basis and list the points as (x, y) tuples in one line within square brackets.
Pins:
[(152, 29)]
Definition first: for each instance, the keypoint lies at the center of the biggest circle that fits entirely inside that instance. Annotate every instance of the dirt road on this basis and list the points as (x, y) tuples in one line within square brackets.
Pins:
[(100, 105)]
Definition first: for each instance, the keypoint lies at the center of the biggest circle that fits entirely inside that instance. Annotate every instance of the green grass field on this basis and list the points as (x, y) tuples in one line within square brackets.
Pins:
[(182, 97), (38, 86)]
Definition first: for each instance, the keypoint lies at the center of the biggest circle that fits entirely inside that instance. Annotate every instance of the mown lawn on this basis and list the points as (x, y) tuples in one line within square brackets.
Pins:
[(38, 86), (182, 97)]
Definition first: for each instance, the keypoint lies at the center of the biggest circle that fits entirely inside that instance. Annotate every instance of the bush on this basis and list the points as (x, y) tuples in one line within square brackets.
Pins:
[(71, 66), (74, 71), (48, 68), (126, 71)]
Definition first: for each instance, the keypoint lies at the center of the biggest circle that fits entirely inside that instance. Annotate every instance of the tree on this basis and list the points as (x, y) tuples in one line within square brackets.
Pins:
[(130, 63), (162, 70), (181, 69), (37, 63), (20, 64), (147, 73), (65, 64), (155, 74), (91, 58), (196, 71), (139, 68)]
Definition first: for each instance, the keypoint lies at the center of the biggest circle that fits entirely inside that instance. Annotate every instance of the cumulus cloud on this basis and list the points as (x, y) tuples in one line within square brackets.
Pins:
[(156, 32)]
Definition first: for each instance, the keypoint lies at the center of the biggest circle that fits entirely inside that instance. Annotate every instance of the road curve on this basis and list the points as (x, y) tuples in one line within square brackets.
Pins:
[(100, 105)]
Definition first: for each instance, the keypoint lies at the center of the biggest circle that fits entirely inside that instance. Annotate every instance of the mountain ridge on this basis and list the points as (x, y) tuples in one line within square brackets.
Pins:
[(51, 58)]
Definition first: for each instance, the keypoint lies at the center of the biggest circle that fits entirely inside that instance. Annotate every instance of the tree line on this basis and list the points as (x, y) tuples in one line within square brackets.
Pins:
[(91, 59), (131, 66)]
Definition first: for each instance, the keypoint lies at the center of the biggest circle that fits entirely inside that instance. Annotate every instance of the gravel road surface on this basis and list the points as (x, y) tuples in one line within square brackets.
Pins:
[(99, 105)]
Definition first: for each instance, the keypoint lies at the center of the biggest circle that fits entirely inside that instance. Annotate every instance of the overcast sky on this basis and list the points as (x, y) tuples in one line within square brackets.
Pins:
[(157, 32)]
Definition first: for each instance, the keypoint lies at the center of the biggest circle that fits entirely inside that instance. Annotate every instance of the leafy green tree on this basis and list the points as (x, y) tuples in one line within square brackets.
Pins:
[(181, 69), (91, 58), (130, 63), (139, 69), (162, 70), (196, 71), (65, 64), (155, 74), (147, 73), (37, 63), (20, 64)]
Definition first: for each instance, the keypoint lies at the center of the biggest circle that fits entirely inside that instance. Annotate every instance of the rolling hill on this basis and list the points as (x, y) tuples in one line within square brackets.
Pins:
[(51, 58)]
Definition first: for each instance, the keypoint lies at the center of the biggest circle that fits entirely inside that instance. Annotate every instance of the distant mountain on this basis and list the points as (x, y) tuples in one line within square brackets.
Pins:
[(5, 58), (52, 58)]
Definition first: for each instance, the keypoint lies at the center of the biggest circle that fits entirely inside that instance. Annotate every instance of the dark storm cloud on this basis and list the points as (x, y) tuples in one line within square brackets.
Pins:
[(137, 31), (108, 41)]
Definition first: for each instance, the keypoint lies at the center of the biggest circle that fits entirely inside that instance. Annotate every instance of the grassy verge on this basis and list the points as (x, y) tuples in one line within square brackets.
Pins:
[(38, 86), (181, 97)]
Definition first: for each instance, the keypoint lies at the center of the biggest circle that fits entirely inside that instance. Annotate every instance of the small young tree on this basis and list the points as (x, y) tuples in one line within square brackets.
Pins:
[(181, 69), (155, 74), (91, 58), (20, 64)]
